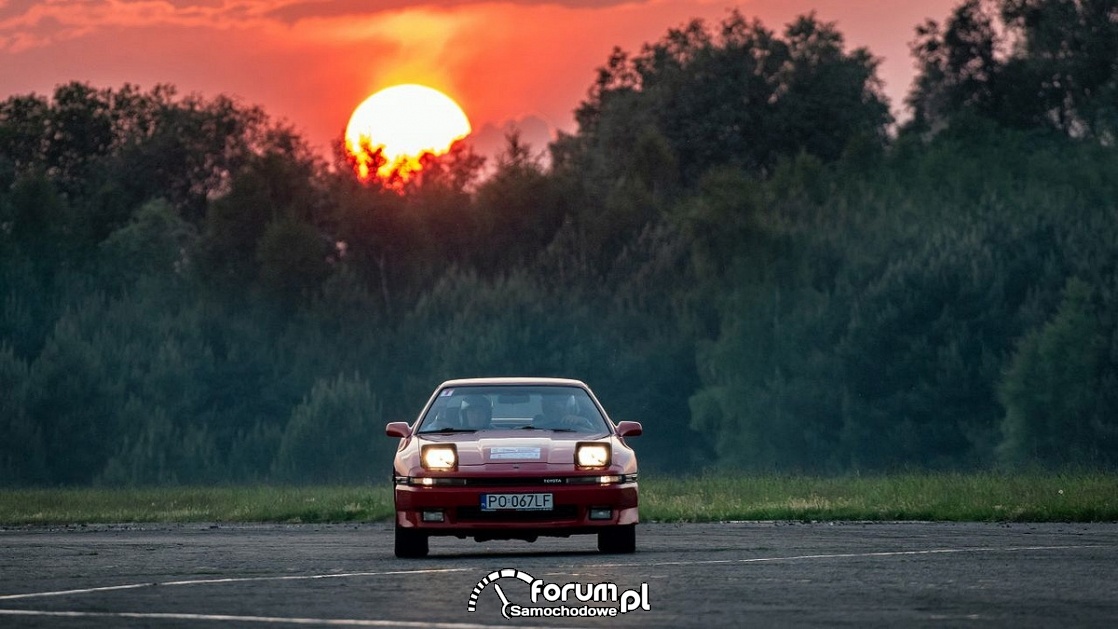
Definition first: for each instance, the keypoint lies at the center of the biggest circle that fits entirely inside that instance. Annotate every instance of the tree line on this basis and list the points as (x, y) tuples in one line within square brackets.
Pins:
[(738, 246)]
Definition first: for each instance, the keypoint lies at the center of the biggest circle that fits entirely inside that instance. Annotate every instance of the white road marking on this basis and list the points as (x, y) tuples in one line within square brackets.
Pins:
[(444, 625), (893, 553), (334, 622), (309, 577)]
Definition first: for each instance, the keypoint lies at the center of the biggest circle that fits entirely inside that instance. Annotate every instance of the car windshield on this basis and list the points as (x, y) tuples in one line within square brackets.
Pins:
[(512, 407)]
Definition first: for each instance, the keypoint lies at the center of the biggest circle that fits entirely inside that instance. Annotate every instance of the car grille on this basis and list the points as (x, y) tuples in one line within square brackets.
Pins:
[(475, 514)]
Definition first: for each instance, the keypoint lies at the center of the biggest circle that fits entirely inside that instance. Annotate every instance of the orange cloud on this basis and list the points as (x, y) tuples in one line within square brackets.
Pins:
[(25, 25)]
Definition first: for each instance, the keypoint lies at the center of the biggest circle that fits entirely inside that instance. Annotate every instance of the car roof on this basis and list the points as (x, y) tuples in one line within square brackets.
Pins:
[(462, 382)]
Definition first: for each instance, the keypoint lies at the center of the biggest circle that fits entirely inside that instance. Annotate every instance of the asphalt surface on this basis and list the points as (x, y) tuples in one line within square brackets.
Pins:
[(692, 575)]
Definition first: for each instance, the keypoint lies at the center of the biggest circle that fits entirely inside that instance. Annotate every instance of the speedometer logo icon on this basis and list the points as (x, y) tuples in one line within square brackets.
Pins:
[(496, 575)]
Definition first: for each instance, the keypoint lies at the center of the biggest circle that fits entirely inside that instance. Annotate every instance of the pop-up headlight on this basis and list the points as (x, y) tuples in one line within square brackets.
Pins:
[(442, 457), (592, 455)]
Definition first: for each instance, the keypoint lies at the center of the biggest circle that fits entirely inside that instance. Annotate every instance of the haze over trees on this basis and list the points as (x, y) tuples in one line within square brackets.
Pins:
[(738, 247)]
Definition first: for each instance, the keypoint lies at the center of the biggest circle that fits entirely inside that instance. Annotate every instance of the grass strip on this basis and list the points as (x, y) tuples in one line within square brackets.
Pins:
[(981, 497), (259, 503), (978, 497)]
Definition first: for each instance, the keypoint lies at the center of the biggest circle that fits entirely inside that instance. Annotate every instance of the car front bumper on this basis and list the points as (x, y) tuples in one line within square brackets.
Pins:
[(459, 509)]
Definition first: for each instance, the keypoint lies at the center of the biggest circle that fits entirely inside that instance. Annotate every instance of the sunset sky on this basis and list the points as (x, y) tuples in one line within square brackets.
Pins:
[(310, 62)]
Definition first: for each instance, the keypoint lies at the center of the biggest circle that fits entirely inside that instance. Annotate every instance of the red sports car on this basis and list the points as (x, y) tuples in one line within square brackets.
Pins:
[(514, 458)]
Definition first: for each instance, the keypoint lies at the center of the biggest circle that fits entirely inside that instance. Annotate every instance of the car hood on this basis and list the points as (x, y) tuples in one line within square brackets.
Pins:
[(514, 448)]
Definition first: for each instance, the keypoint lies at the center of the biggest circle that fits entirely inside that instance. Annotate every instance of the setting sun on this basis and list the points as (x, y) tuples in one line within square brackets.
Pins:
[(404, 122)]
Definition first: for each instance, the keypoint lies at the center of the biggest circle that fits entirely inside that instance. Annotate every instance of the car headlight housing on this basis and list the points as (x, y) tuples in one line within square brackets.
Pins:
[(592, 455), (441, 457)]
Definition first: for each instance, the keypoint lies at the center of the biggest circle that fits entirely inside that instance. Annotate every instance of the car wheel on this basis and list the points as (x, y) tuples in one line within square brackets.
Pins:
[(410, 544), (618, 540)]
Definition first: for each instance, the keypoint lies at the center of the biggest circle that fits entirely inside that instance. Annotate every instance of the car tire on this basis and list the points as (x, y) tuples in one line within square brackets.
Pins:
[(410, 544), (618, 540)]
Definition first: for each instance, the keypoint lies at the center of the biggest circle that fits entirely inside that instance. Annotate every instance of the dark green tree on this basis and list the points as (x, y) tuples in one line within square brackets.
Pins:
[(156, 242), (736, 95), (275, 194), (23, 127), (70, 401), (959, 66), (1050, 391), (293, 260), (518, 210), (1069, 48), (1031, 64), (335, 435), (22, 459)]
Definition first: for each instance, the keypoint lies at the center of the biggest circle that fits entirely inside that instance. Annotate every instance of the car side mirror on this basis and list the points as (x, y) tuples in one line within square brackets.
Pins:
[(398, 429), (629, 429)]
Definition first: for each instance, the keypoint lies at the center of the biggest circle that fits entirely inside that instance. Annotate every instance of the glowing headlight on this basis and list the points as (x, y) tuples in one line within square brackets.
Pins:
[(592, 455), (439, 457)]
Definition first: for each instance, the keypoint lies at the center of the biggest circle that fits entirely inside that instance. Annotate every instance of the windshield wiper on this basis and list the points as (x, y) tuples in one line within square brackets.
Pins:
[(446, 430)]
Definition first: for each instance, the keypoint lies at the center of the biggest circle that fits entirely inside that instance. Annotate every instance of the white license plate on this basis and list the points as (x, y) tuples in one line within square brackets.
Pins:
[(517, 502)]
